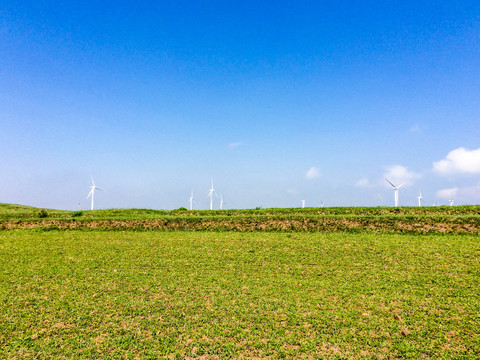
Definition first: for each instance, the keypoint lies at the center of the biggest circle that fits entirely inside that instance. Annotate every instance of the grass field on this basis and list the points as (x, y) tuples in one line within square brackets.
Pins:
[(113, 294), (412, 220)]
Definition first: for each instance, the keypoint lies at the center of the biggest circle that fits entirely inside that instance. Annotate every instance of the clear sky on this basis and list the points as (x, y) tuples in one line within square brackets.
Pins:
[(278, 101)]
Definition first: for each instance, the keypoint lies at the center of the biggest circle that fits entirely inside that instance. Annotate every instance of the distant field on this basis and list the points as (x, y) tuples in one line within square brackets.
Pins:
[(411, 220), (113, 294)]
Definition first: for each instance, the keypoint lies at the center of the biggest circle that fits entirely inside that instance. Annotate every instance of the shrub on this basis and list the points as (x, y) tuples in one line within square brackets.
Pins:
[(77, 213), (42, 214)]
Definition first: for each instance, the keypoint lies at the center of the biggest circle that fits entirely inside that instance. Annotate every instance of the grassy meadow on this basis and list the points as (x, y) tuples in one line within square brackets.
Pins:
[(405, 220), (96, 294)]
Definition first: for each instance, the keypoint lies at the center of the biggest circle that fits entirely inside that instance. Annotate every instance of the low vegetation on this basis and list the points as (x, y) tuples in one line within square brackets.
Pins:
[(114, 294), (333, 283), (425, 220)]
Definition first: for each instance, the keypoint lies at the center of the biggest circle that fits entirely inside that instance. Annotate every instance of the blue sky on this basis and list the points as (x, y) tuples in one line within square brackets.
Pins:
[(278, 101)]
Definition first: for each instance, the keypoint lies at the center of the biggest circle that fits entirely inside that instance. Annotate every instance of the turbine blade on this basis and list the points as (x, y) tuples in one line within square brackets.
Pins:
[(398, 187), (390, 182)]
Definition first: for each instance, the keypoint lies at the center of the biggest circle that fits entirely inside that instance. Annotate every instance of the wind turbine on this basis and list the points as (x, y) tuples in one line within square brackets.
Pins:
[(191, 201), (303, 204), (451, 202), (92, 192), (419, 197), (210, 194), (221, 202), (395, 189)]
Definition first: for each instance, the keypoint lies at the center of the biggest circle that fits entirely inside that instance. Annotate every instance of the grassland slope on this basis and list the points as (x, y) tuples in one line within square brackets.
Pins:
[(414, 220)]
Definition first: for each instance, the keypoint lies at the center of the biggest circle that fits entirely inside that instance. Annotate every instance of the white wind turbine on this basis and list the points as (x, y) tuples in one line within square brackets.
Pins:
[(92, 192), (395, 189), (451, 202), (210, 194), (419, 197), (221, 202), (303, 204), (191, 200)]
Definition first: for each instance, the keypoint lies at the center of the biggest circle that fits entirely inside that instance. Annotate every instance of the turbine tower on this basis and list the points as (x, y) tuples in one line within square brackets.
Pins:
[(221, 202), (210, 194), (451, 202), (303, 204), (395, 189), (92, 192), (191, 200), (419, 197)]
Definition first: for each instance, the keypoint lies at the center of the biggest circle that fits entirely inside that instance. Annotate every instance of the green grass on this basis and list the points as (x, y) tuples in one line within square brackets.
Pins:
[(425, 220), (113, 294), (18, 212)]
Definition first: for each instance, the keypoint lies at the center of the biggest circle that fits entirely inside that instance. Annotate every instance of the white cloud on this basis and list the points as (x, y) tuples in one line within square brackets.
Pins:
[(469, 194), (313, 173), (461, 195), (447, 193), (459, 161), (363, 182), (399, 174), (415, 129), (234, 144)]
